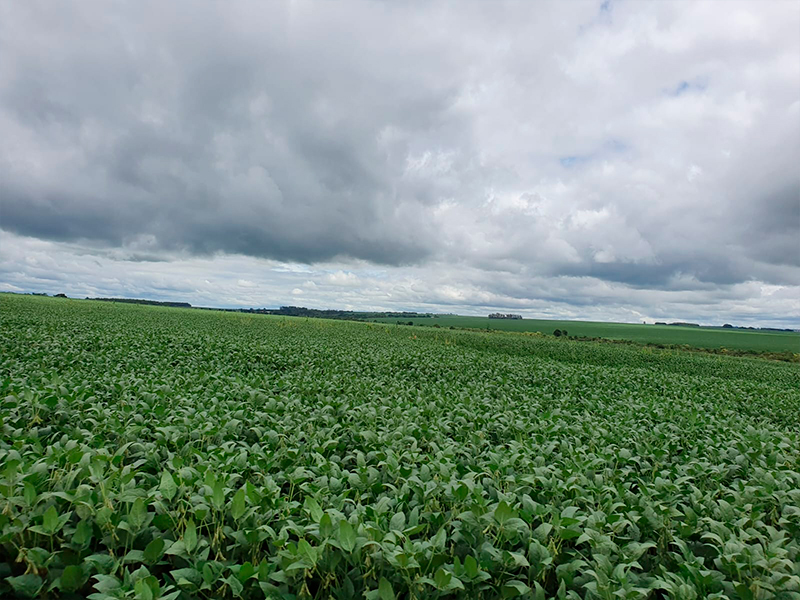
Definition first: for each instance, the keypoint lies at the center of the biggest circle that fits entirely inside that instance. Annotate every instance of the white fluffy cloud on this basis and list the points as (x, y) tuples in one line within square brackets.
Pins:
[(590, 159)]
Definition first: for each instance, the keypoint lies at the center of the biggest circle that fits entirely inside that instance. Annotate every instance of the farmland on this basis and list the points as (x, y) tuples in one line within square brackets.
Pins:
[(153, 452), (705, 337)]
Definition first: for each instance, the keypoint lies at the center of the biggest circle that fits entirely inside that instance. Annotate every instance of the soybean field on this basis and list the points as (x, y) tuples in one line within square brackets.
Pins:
[(165, 453), (697, 337)]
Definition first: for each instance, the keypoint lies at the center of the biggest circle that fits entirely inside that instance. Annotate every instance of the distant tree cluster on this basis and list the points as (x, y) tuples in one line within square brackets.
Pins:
[(504, 316)]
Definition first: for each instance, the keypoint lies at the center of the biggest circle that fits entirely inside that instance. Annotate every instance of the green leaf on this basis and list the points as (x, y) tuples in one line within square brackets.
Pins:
[(177, 549), (101, 562), (29, 493), (27, 586), (50, 520), (252, 493), (514, 588), (568, 534), (517, 558), (83, 534), (503, 512), (442, 578), (569, 512), (538, 593), (542, 531), (155, 587), (385, 591), (138, 515), (106, 583), (471, 566), (211, 572), (455, 584), (264, 569), (140, 573), (168, 486), (235, 585), (347, 536), (398, 521), (154, 550), (325, 526), (133, 556), (237, 504), (190, 536), (218, 496), (246, 571), (440, 539), (313, 508), (72, 579), (187, 576), (308, 552), (142, 590)]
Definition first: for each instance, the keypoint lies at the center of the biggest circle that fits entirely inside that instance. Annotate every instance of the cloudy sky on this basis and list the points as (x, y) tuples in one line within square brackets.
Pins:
[(601, 160)]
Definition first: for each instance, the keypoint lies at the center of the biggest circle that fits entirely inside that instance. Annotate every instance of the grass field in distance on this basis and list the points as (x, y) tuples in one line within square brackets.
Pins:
[(699, 337)]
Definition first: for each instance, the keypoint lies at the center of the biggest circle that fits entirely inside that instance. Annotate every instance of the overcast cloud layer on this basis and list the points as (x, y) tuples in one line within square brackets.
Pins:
[(614, 160)]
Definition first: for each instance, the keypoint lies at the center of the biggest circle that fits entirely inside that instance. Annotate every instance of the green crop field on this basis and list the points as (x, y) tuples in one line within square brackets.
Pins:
[(167, 453), (698, 337)]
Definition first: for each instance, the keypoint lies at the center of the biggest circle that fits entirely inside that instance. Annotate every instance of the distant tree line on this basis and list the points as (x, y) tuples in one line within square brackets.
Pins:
[(148, 302), (725, 326), (348, 315)]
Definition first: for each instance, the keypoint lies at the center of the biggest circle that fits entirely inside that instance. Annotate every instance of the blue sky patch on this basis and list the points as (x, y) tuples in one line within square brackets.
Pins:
[(612, 146), (685, 87), (573, 161)]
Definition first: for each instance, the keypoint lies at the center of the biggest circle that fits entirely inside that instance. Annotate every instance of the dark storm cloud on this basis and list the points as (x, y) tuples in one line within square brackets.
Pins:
[(772, 227), (211, 137)]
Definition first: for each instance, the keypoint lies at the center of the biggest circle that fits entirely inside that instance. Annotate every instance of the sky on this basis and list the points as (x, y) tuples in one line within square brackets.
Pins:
[(625, 161)]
